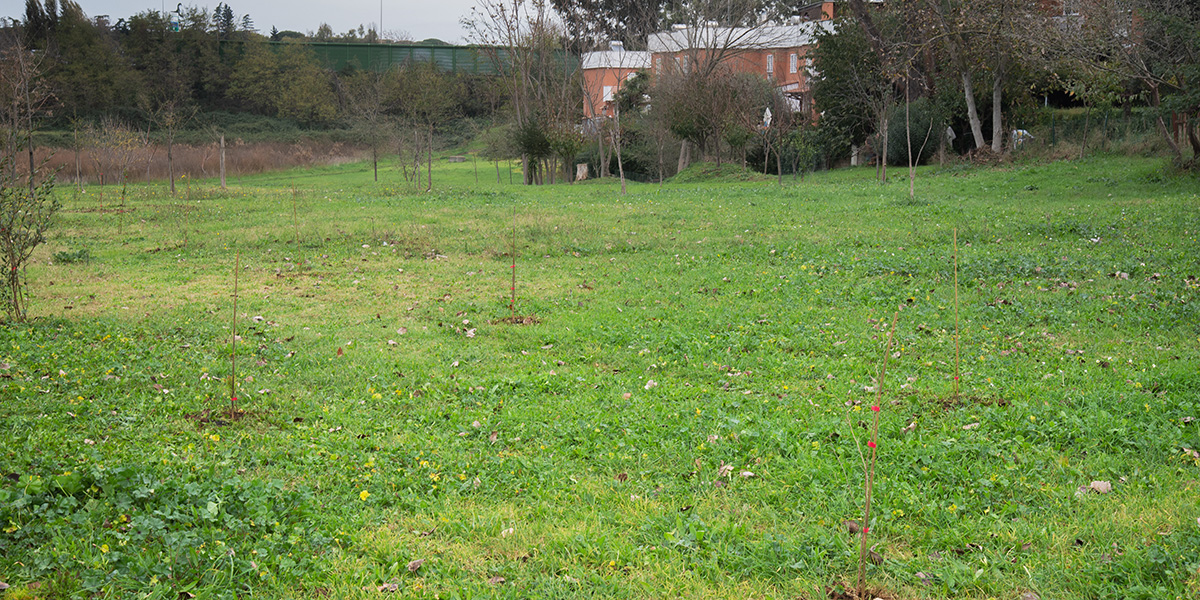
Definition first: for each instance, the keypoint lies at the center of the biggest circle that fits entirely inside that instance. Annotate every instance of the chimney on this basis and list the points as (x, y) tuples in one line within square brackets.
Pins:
[(616, 45)]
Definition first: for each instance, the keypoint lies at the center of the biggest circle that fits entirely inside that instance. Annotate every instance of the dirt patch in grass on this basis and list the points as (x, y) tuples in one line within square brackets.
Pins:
[(952, 401), (517, 320), (219, 418)]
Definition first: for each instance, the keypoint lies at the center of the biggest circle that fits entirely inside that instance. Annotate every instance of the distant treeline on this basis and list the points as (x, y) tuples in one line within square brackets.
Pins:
[(197, 61)]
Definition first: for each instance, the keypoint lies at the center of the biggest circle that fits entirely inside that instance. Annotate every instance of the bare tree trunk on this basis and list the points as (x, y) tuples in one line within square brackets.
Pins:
[(1087, 125), (375, 161), (620, 162), (1194, 137), (222, 162), (779, 164), (170, 162), (685, 156), (972, 112), (429, 167), (883, 152), (912, 172), (997, 115), (78, 166)]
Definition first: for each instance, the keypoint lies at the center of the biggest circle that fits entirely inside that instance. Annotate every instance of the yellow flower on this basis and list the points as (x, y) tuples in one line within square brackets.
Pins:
[(363, 495), (214, 437), (104, 549)]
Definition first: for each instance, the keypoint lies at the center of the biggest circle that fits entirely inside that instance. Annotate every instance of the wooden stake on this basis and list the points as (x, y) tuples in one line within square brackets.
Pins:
[(233, 352), (512, 303), (957, 368)]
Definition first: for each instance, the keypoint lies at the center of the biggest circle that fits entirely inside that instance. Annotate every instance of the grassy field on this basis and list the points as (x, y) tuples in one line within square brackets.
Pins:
[(683, 414)]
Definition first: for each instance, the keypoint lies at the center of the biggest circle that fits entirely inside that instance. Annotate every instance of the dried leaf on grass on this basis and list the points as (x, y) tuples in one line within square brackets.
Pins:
[(1096, 487), (415, 565)]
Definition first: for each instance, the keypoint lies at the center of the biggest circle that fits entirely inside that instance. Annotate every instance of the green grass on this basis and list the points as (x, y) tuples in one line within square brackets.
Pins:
[(391, 416)]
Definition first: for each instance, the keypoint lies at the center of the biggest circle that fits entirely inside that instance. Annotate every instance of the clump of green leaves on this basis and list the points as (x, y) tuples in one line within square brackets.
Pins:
[(66, 257), (146, 528)]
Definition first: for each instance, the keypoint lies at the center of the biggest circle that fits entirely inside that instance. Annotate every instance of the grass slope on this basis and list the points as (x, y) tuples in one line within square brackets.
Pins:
[(391, 416)]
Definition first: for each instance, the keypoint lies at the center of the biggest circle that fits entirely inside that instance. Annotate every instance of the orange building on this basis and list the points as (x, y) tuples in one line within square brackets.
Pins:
[(778, 53), (603, 74)]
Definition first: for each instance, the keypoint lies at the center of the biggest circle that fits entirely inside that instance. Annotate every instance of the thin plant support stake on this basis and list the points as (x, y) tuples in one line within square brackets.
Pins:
[(233, 351), (870, 475), (957, 364), (512, 303), (295, 219)]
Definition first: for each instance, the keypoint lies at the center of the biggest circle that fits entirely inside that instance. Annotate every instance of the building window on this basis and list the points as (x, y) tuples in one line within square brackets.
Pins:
[(793, 63), (608, 93), (658, 64), (770, 63)]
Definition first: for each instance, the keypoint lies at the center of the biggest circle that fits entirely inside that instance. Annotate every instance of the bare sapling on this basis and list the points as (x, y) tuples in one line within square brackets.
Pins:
[(864, 552), (233, 347), (512, 302), (957, 362), (295, 219)]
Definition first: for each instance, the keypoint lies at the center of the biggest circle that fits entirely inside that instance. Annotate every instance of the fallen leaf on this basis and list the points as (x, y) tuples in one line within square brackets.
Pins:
[(416, 564), (971, 426), (852, 526), (724, 470), (911, 427), (402, 330), (339, 352), (89, 442), (497, 580), (1101, 487), (3, 586), (622, 476), (650, 384), (391, 342), (875, 557), (507, 532), (746, 474)]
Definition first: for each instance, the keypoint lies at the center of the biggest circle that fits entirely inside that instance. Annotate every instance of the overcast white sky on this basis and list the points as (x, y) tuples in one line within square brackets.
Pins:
[(420, 19)]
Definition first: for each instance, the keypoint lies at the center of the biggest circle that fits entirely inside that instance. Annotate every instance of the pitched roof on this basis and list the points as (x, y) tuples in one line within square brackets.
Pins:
[(687, 37)]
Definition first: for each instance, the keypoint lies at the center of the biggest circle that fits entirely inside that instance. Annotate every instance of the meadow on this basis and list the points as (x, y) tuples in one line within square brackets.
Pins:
[(679, 409)]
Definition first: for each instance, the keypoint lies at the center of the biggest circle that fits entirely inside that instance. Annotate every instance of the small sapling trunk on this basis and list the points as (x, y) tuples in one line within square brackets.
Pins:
[(865, 553), (233, 347)]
